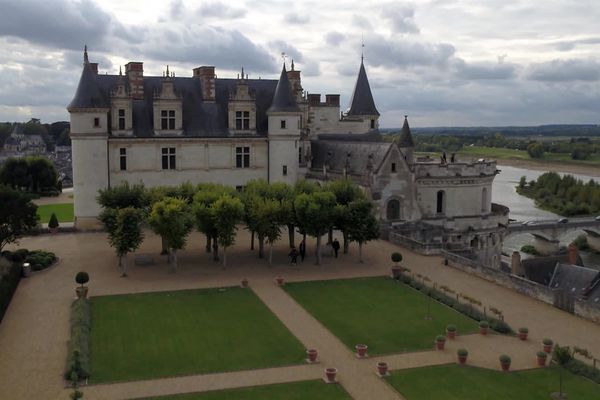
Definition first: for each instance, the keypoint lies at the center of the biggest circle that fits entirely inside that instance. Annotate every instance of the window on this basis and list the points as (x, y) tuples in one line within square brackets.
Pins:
[(96, 122), (123, 159), (393, 209), (242, 120), (372, 124), (283, 124), (300, 155), (393, 167), (285, 170), (484, 200), (441, 202), (242, 157), (167, 119), (239, 188), (121, 119), (168, 158)]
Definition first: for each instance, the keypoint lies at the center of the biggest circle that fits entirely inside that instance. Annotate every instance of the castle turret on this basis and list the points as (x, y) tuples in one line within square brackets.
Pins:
[(89, 135), (406, 143), (284, 133), (362, 104)]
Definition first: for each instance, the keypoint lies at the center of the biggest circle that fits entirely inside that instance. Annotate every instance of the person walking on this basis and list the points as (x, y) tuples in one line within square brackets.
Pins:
[(293, 255), (336, 247), (302, 250)]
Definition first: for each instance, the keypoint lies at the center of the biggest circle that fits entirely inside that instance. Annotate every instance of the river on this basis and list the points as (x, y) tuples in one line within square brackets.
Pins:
[(523, 209)]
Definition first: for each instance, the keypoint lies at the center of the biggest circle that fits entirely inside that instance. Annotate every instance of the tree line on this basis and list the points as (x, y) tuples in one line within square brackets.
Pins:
[(54, 134), (266, 210), (34, 174), (564, 195)]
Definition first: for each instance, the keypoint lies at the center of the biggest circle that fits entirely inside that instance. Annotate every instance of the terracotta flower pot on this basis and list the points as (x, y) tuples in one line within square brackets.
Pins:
[(548, 348), (382, 368), (244, 283), (462, 360), (505, 366), (279, 280), (396, 272), (331, 373), (312, 355), (82, 292), (483, 330), (361, 350), (440, 344), (523, 335), (451, 334), (541, 361)]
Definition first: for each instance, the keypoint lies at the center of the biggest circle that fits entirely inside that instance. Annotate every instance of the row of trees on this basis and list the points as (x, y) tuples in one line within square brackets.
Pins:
[(31, 174), (564, 195), (18, 215), (266, 210)]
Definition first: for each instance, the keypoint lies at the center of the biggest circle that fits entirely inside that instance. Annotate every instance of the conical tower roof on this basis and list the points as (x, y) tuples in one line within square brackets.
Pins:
[(88, 94), (283, 100), (406, 139), (362, 100)]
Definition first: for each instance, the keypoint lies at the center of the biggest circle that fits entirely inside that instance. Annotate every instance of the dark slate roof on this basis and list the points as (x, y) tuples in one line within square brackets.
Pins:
[(372, 136), (88, 94), (362, 100), (541, 269), (406, 139), (573, 279), (334, 153), (283, 100)]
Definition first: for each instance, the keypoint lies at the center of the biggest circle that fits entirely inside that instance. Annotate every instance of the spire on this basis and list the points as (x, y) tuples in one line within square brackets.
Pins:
[(362, 102), (168, 71), (88, 94), (85, 55), (292, 64), (120, 72), (283, 100), (406, 139)]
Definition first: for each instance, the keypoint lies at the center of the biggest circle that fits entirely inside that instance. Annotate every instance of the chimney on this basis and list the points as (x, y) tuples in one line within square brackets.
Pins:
[(516, 268), (314, 99), (572, 254), (135, 74), (94, 67), (332, 100), (207, 77)]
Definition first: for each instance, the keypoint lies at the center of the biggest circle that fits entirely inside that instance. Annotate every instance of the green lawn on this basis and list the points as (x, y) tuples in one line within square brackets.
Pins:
[(512, 154), (64, 212), (382, 313), (453, 382), (313, 390), (152, 335)]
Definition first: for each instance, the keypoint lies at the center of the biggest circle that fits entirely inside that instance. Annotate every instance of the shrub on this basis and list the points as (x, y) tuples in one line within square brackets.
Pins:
[(548, 342), (500, 326), (10, 276), (484, 324), (40, 259), (523, 330), (451, 328), (580, 368), (396, 257), (17, 256), (440, 338), (530, 249), (542, 354), (462, 352), (82, 278), (53, 223), (504, 359), (78, 356)]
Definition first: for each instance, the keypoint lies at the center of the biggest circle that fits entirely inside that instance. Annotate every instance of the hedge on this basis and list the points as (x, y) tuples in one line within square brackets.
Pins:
[(580, 368), (466, 309), (78, 355), (10, 275)]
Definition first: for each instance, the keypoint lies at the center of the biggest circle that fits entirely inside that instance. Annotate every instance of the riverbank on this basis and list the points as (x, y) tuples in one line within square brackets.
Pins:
[(551, 166)]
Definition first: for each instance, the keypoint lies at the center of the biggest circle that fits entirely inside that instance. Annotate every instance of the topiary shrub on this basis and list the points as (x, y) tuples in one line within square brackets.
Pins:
[(53, 223), (440, 338), (542, 354), (396, 258), (462, 352), (82, 278), (451, 328), (78, 356), (504, 359), (484, 324), (40, 259), (548, 341)]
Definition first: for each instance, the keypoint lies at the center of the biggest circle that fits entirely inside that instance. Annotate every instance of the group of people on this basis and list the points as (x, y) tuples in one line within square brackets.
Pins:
[(301, 251)]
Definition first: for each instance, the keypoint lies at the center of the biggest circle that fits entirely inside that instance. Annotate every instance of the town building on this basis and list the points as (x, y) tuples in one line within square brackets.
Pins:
[(167, 130)]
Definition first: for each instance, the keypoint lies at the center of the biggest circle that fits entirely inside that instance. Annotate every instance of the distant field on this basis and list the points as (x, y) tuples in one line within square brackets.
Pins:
[(64, 212), (510, 154)]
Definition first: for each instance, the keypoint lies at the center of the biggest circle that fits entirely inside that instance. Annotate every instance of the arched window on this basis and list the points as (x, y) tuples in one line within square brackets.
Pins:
[(393, 209), (484, 200), (441, 202)]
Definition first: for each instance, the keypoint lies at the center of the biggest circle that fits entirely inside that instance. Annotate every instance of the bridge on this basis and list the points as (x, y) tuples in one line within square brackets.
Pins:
[(546, 233)]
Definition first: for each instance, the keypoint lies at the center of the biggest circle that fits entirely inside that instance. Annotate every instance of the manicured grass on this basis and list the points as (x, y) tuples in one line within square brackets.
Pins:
[(313, 390), (382, 313), (64, 212), (152, 335), (453, 382)]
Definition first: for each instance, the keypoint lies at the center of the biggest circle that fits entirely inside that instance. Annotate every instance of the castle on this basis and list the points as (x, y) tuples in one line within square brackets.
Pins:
[(167, 130)]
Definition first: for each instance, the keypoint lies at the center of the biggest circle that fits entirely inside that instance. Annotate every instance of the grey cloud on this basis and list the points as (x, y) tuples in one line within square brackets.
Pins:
[(176, 9), (59, 24), (483, 71), (334, 38), (401, 17), (565, 70), (296, 19), (74, 60), (310, 68), (568, 45), (391, 53), (220, 10), (279, 46), (361, 22)]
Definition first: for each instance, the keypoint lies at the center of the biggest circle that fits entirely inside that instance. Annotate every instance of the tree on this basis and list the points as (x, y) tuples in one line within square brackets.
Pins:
[(126, 235), (42, 174), (269, 215), (345, 192), (227, 212), (315, 213), (204, 218), (15, 173), (172, 219), (535, 150), (124, 195), (362, 224), (561, 355), (522, 182), (18, 215), (53, 222)]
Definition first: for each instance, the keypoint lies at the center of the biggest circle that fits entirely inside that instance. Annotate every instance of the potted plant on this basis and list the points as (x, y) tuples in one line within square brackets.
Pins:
[(382, 368), (53, 223), (484, 327), (331, 373), (548, 343), (245, 282), (523, 332), (361, 350), (451, 331), (541, 358), (82, 278), (279, 280), (312, 355), (396, 270), (440, 341), (505, 362), (462, 356)]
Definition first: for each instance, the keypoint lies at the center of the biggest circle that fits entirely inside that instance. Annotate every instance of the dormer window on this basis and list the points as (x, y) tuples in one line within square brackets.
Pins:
[(121, 119), (242, 120), (167, 119)]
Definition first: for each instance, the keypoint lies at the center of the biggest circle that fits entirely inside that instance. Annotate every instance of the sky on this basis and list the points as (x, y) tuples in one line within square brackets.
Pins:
[(441, 62)]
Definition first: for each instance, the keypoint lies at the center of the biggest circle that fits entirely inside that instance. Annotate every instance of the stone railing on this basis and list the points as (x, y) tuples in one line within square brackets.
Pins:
[(415, 245)]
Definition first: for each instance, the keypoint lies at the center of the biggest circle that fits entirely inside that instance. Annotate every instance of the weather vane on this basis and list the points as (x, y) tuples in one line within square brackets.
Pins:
[(283, 56)]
